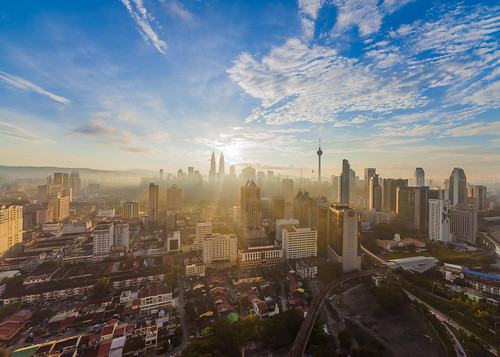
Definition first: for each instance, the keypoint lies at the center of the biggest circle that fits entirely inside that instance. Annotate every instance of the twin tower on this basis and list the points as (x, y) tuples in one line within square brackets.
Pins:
[(212, 173)]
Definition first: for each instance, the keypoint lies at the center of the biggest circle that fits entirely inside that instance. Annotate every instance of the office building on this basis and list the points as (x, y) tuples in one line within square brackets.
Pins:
[(202, 229), (287, 190), (220, 250), (389, 193), (59, 205), (43, 195), (174, 241), (174, 199), (477, 197), (412, 208), (282, 223), (248, 173), (419, 177), (375, 194), (343, 232), (222, 168), (463, 223), (253, 232), (75, 182), (11, 227), (344, 182), (153, 202), (458, 187), (439, 221), (305, 209), (299, 242), (44, 215), (278, 208), (369, 172), (256, 257), (130, 210), (61, 179), (212, 172)]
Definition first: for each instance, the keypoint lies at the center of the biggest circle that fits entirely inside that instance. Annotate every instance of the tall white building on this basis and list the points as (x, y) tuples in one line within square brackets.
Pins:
[(11, 227), (439, 220), (202, 229), (220, 249), (299, 242), (103, 239)]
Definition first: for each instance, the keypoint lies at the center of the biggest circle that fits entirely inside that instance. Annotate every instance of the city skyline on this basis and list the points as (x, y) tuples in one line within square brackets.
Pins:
[(159, 84)]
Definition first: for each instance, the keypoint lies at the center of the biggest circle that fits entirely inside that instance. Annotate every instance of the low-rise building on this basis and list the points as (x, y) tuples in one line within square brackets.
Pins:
[(254, 257)]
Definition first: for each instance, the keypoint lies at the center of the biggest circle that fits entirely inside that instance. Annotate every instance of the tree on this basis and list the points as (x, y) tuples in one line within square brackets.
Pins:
[(39, 316), (101, 287), (39, 331), (376, 309), (345, 339), (4, 352)]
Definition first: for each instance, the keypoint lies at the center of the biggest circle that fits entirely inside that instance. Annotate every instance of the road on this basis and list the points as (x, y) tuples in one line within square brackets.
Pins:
[(443, 317), (302, 337), (184, 324)]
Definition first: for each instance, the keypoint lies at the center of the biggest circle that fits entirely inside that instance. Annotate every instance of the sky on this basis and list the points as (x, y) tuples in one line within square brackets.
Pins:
[(149, 84)]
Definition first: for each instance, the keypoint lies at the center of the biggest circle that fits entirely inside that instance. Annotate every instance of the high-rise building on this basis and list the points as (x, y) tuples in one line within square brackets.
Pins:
[(232, 172), (174, 199), (103, 239), (369, 172), (43, 195), (60, 206), (61, 179), (282, 223), (75, 182), (44, 215), (419, 177), (319, 152), (344, 182), (463, 223), (212, 172), (11, 227), (304, 209), (375, 195), (299, 242), (458, 187), (343, 232), (411, 208), (287, 190), (220, 250), (278, 208), (202, 229), (477, 197), (222, 168), (389, 193), (439, 220), (153, 202), (248, 173), (130, 210), (161, 175), (251, 214)]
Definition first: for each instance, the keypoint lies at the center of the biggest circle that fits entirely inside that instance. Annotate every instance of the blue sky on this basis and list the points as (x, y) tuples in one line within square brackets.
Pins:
[(161, 83)]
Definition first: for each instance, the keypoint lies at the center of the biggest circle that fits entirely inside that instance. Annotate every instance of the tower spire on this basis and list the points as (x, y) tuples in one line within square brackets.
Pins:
[(319, 152)]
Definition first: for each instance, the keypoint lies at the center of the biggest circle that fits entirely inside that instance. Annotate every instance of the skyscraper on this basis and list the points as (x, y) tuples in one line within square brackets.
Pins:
[(343, 231), (61, 179), (344, 182), (458, 187), (212, 172), (419, 177), (319, 152), (75, 183), (375, 193), (174, 199), (369, 172), (153, 202), (221, 165), (411, 208), (304, 209), (251, 214)]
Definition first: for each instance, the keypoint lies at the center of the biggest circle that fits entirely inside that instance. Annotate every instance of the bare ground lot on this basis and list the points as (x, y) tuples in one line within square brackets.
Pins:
[(398, 334)]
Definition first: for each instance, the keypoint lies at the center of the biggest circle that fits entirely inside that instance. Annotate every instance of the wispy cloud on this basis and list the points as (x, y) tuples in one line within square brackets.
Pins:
[(24, 84), (11, 130), (141, 17), (176, 9)]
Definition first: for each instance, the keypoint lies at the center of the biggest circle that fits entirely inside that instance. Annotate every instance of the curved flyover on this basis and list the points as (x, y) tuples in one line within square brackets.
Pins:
[(302, 337)]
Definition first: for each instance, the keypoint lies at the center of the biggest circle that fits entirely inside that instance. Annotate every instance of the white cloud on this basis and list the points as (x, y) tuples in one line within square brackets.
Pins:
[(482, 128), (24, 84), (177, 9), (11, 130), (142, 18)]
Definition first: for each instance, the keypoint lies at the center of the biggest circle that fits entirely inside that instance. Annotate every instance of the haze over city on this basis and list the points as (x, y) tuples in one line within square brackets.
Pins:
[(148, 84)]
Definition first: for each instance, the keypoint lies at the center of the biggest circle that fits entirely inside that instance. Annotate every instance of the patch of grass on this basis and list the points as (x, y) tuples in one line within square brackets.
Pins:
[(438, 251)]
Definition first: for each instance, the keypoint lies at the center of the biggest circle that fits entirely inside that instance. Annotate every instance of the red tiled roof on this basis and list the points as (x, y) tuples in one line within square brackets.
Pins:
[(104, 349)]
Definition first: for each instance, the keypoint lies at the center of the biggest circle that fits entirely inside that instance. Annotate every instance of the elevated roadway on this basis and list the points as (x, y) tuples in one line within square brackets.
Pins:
[(299, 345)]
